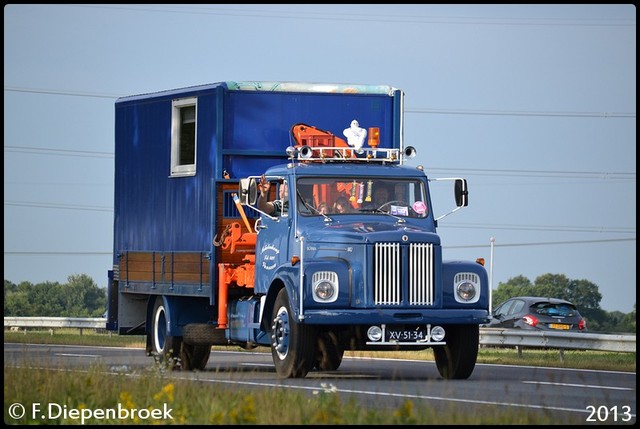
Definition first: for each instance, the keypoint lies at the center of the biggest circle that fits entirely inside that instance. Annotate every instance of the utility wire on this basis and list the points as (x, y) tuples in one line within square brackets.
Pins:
[(308, 14), (547, 243), (542, 243), (474, 171), (64, 152), (418, 110), (57, 206), (553, 228)]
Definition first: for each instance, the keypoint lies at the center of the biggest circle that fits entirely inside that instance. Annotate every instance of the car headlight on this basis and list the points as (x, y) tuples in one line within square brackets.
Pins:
[(325, 286), (467, 287)]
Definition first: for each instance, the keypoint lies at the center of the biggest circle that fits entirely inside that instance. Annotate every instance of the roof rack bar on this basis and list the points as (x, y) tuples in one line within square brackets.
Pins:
[(343, 154)]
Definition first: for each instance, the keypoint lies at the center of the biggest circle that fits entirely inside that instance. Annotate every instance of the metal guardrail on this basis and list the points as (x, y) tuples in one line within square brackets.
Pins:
[(55, 322), (488, 336), (559, 340)]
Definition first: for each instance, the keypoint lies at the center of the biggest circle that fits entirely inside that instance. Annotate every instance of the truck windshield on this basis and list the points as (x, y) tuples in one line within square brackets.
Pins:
[(351, 195)]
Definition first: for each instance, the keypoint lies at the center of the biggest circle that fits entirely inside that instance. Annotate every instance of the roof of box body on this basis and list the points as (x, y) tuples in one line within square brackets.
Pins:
[(347, 170), (313, 87)]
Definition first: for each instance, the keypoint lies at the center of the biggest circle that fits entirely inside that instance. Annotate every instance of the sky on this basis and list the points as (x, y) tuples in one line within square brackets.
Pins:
[(535, 105)]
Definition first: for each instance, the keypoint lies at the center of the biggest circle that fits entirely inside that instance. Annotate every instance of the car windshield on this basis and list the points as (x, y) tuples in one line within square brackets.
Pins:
[(548, 309), (319, 196)]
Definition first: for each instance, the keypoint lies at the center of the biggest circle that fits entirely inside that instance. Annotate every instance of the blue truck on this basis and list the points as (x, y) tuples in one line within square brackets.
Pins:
[(350, 260)]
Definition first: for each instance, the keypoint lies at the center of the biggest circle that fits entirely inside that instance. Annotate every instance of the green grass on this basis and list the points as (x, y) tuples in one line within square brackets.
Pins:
[(71, 336), (77, 396)]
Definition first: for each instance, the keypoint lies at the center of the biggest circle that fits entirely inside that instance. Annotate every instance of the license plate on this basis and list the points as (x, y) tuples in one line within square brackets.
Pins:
[(559, 326), (406, 335)]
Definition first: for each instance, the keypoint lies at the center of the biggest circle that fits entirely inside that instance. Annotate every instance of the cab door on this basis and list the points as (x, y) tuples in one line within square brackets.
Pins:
[(272, 249)]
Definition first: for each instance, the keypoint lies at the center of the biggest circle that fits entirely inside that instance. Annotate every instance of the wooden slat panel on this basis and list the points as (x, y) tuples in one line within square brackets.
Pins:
[(190, 278), (190, 267)]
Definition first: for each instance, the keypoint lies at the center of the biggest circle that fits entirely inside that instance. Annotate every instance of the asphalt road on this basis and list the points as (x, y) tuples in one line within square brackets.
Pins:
[(589, 397)]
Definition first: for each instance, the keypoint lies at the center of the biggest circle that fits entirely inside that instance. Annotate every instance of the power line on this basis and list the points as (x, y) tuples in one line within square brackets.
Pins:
[(542, 243), (546, 243), (475, 171), (60, 92), (364, 17), (520, 113), (555, 228), (605, 175), (57, 206), (64, 152), (419, 110)]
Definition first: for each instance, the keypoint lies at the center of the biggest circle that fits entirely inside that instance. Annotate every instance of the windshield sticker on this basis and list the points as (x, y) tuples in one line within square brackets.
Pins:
[(269, 253), (399, 210), (419, 207)]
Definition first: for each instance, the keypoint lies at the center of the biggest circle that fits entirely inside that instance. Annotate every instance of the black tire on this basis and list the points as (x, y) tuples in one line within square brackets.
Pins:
[(329, 354), (293, 345), (194, 358), (457, 359), (165, 347), (203, 334)]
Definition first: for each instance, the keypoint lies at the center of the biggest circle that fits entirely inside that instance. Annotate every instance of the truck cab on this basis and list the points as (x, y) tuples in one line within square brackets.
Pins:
[(353, 262)]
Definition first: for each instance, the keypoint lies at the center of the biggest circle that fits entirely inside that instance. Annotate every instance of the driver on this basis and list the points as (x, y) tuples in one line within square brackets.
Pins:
[(275, 207), (399, 191), (384, 202), (380, 196)]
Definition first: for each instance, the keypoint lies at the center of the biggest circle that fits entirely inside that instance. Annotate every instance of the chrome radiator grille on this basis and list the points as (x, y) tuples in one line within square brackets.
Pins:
[(403, 274)]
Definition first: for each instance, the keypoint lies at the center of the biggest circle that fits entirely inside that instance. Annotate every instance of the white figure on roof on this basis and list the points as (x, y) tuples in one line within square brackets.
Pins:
[(355, 135)]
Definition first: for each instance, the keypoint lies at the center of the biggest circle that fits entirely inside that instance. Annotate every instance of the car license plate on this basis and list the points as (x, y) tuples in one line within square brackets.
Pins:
[(406, 335), (559, 326)]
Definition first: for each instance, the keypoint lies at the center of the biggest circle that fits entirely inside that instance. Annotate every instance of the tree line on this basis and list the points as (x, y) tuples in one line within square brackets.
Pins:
[(81, 297)]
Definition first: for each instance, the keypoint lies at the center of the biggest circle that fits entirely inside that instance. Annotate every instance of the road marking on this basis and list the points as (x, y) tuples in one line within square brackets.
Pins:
[(591, 386)]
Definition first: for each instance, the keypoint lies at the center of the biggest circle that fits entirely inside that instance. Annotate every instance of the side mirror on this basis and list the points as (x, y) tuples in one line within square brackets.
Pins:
[(248, 191), (461, 193)]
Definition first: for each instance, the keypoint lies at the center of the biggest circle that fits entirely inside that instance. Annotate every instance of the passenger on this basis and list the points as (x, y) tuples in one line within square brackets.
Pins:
[(322, 208), (275, 207), (342, 205)]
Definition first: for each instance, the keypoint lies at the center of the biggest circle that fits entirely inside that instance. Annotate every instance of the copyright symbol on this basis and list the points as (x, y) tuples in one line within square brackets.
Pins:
[(16, 411)]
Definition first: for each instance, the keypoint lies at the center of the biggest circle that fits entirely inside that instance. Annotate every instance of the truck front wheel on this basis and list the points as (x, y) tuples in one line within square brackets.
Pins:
[(293, 345), (457, 359), (330, 352), (165, 347)]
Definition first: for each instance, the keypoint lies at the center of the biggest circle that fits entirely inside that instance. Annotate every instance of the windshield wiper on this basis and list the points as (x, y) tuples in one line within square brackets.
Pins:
[(311, 208)]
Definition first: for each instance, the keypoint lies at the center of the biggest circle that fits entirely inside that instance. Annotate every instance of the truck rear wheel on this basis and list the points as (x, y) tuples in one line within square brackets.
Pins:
[(194, 358), (203, 334), (457, 359), (165, 347), (293, 345), (197, 339)]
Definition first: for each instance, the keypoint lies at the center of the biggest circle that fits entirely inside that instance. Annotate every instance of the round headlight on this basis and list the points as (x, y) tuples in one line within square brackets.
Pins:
[(437, 333), (324, 290), (466, 291), (374, 333), (325, 286)]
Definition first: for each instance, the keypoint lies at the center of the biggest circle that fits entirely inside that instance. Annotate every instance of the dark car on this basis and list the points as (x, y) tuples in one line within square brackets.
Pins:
[(532, 312)]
